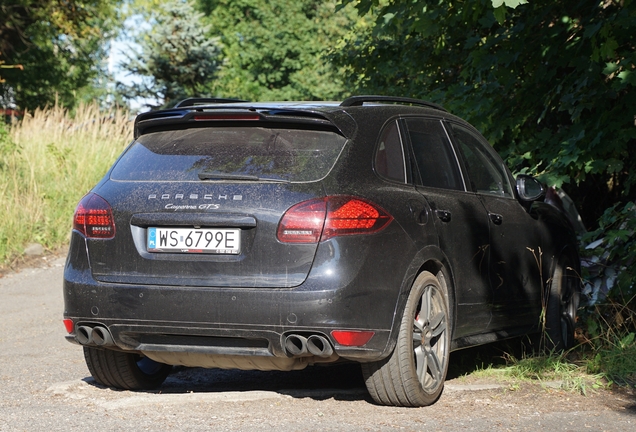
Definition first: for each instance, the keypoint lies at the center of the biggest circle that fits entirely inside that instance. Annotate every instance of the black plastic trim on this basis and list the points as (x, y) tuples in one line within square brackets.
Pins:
[(192, 219), (189, 102)]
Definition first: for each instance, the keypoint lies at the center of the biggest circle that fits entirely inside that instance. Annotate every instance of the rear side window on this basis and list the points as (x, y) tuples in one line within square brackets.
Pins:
[(434, 155), (389, 156), (295, 155)]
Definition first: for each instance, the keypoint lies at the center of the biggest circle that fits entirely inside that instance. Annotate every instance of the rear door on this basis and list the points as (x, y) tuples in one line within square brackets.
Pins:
[(460, 219), (200, 206)]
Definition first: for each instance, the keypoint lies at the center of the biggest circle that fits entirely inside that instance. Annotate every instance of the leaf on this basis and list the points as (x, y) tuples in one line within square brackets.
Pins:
[(387, 18), (610, 68), (627, 340), (500, 14), (627, 77)]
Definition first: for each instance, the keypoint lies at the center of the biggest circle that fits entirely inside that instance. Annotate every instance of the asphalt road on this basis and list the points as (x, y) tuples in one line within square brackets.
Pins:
[(45, 386)]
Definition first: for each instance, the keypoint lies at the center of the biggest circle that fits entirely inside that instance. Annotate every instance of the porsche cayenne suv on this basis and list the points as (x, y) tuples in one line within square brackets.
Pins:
[(275, 236)]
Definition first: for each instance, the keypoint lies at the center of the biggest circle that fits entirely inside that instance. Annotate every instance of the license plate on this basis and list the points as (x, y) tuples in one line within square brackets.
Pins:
[(195, 240)]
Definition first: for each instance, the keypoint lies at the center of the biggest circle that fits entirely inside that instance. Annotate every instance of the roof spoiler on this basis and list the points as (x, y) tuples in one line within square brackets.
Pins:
[(360, 100), (152, 120)]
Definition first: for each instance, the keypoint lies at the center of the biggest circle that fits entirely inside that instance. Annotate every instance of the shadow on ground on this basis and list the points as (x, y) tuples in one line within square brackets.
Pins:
[(341, 381)]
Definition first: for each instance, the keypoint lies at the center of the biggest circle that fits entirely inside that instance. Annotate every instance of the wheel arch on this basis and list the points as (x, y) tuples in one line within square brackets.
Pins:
[(433, 260)]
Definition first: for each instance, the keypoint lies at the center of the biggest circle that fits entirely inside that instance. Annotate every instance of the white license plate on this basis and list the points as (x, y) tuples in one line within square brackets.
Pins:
[(195, 240)]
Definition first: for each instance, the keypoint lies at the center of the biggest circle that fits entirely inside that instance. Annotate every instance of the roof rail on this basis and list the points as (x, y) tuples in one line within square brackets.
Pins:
[(203, 101), (359, 100)]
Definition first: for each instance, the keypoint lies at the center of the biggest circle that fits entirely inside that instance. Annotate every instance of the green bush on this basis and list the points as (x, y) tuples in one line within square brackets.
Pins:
[(609, 323)]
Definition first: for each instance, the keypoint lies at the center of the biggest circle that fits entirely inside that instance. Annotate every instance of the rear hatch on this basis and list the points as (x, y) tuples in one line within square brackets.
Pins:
[(200, 206)]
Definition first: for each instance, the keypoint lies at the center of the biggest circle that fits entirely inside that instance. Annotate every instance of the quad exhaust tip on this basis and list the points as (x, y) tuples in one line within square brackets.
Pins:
[(98, 335), (319, 346), (299, 346)]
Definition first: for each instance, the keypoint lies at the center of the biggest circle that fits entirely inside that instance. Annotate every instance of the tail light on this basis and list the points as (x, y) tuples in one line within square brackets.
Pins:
[(323, 218), (215, 116), (94, 218), (352, 337), (68, 324)]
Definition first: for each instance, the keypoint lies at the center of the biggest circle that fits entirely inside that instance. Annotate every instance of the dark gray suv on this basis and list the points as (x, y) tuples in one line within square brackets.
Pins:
[(276, 236)]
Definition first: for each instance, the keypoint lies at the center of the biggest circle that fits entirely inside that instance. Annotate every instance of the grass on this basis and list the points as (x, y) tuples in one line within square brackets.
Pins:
[(48, 161), (606, 359), (609, 340), (543, 369)]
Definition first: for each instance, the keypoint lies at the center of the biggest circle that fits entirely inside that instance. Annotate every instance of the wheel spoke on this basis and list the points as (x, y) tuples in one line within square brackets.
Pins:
[(435, 366), (420, 362), (417, 338), (426, 304), (438, 324), (418, 324)]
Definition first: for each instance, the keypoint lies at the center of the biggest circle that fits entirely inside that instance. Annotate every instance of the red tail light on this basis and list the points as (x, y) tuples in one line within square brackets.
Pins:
[(352, 337), (68, 324), (323, 218), (248, 117), (94, 217)]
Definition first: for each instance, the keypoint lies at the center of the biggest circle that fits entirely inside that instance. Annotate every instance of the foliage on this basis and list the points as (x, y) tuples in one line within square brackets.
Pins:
[(47, 162), (551, 84), (177, 57), (59, 43), (608, 327), (611, 254), (6, 144), (610, 334), (275, 50)]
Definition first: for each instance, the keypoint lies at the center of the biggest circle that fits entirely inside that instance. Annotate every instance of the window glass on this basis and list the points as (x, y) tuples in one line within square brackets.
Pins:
[(434, 155), (487, 173), (296, 155), (389, 157)]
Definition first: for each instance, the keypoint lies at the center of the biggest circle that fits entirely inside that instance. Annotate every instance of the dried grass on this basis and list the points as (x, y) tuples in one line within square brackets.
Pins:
[(51, 161)]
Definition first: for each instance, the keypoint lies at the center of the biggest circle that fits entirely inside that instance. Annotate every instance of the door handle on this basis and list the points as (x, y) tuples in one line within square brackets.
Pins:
[(497, 219), (444, 215)]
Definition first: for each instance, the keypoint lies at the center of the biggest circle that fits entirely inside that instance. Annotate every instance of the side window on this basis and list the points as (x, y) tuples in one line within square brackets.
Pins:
[(434, 155), (487, 173), (389, 157)]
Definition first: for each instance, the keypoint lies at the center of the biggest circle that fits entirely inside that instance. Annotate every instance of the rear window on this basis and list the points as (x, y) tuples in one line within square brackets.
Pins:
[(296, 155)]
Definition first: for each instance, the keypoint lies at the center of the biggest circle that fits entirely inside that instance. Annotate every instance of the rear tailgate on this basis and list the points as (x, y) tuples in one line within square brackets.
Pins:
[(253, 210)]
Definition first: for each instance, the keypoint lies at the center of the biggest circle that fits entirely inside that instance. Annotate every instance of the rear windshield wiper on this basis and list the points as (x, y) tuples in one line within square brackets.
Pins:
[(237, 177)]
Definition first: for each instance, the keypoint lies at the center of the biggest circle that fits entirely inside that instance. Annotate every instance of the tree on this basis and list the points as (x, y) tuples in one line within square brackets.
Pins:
[(275, 50), (551, 84), (178, 59), (59, 43)]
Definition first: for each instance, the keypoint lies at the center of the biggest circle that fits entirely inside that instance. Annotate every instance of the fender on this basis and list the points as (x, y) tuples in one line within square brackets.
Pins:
[(432, 259)]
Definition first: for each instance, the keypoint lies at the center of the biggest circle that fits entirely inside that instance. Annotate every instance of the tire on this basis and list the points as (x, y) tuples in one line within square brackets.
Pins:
[(414, 374), (563, 301), (126, 371)]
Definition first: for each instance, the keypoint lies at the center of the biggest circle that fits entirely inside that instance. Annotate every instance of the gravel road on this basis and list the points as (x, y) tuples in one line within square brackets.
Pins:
[(45, 386)]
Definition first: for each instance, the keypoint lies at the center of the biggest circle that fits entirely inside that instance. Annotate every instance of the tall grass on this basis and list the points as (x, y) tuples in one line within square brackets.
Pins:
[(48, 161)]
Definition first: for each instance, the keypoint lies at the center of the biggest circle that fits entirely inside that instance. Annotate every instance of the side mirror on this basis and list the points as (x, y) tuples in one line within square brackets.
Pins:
[(529, 188)]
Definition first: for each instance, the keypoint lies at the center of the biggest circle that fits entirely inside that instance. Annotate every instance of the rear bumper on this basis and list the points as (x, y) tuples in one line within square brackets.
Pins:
[(225, 322), (240, 321)]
